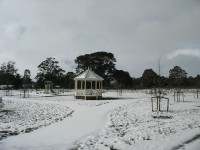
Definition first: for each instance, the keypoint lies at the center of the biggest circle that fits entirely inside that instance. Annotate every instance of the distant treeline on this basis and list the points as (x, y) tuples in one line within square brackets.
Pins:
[(103, 63)]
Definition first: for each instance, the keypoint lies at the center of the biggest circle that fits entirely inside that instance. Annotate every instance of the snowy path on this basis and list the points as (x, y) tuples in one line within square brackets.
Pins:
[(65, 134), (195, 145)]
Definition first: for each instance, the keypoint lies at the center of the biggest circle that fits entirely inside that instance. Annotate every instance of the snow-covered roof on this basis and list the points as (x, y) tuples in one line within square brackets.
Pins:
[(89, 75)]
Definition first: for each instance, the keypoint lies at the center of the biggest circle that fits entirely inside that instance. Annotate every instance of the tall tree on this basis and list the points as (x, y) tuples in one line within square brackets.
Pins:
[(9, 68), (67, 80), (49, 70), (149, 79), (197, 81), (18, 81), (8, 72), (26, 77), (103, 63), (136, 83), (177, 76), (123, 79)]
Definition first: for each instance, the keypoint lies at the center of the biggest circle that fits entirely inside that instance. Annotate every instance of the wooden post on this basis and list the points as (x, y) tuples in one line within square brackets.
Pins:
[(24, 92), (177, 97), (152, 103), (168, 104), (159, 101), (174, 96), (96, 89)]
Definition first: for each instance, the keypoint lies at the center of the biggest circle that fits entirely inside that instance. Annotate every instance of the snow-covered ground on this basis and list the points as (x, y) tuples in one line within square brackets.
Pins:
[(124, 123), (134, 126), (23, 116)]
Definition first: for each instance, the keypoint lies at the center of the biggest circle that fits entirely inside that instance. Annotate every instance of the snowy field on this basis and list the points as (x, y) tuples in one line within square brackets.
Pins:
[(23, 116), (125, 123)]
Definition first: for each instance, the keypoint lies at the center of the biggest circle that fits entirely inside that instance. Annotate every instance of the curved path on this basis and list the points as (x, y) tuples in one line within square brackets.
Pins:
[(195, 145), (65, 134)]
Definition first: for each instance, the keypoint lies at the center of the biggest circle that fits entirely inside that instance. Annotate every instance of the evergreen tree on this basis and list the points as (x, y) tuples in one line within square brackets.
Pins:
[(149, 79), (26, 79), (49, 70), (103, 63), (177, 76), (8, 73), (123, 79)]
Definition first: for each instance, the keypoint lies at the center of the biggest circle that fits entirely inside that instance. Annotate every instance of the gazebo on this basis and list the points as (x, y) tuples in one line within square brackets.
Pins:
[(88, 85)]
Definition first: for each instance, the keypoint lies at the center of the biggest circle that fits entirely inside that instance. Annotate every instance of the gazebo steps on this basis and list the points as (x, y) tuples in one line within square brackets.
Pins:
[(89, 97)]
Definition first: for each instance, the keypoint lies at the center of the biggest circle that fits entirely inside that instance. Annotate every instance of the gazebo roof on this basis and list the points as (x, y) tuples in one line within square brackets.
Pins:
[(89, 75)]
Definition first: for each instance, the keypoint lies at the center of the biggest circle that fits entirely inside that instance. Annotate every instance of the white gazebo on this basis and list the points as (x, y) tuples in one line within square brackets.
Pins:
[(88, 85)]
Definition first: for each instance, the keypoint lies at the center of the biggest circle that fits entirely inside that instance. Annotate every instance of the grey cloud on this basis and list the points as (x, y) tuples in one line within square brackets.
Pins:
[(15, 32), (188, 63), (135, 31)]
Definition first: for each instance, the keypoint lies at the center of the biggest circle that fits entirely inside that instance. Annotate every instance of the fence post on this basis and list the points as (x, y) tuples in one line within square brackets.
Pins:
[(167, 104), (159, 102), (174, 96)]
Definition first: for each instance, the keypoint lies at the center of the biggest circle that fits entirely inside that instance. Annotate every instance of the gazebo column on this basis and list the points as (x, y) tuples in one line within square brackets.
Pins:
[(81, 87), (99, 88), (91, 88), (99, 85), (75, 87), (85, 89), (96, 88)]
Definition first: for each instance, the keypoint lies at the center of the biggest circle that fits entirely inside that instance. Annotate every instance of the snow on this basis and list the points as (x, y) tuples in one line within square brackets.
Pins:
[(23, 116), (193, 146), (133, 126), (123, 123)]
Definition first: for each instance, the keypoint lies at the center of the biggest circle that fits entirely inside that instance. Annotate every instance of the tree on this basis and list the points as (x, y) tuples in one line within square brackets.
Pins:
[(149, 79), (177, 76), (17, 81), (67, 81), (9, 68), (8, 72), (123, 79), (103, 63), (49, 70), (197, 81), (136, 83), (26, 78)]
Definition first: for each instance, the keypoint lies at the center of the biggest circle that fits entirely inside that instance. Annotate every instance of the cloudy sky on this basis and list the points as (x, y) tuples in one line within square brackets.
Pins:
[(137, 32)]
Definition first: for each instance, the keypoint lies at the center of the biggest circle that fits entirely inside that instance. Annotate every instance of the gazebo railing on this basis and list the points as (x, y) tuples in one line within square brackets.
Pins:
[(89, 92)]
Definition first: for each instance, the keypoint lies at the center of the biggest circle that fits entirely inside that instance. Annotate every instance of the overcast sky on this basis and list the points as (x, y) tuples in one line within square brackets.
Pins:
[(137, 32)]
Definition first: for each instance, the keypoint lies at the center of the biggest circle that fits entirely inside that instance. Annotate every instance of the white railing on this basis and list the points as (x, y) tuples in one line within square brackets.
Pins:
[(88, 92)]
